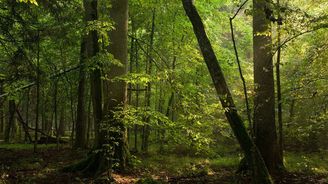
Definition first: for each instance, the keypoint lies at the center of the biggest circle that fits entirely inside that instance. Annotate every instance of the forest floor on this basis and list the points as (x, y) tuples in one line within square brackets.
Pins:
[(18, 164)]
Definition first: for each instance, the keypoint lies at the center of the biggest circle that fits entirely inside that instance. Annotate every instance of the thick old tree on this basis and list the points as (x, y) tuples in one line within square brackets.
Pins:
[(115, 91), (264, 100)]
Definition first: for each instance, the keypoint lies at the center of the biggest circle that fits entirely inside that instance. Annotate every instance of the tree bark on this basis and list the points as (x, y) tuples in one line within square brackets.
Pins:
[(80, 136), (279, 98), (264, 100), (252, 155), (115, 91), (11, 121), (2, 122)]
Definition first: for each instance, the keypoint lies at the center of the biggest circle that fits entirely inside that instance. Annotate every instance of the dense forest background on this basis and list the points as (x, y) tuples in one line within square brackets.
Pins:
[(91, 89)]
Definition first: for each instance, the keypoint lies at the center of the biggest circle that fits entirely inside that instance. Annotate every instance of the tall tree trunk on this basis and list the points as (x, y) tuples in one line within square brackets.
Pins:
[(146, 128), (27, 109), (37, 97), (264, 100), (137, 99), (62, 114), (115, 92), (252, 155), (80, 135), (279, 99), (96, 162), (10, 123), (55, 112), (2, 122)]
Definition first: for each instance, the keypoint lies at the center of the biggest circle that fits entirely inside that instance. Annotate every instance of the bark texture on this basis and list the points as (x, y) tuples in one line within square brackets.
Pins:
[(115, 91), (264, 100)]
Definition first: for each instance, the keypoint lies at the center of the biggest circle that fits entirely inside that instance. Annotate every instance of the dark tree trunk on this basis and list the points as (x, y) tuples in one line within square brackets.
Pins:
[(2, 122), (252, 155), (96, 162), (27, 109), (37, 97), (264, 100), (80, 135), (279, 98), (61, 131), (115, 92), (11, 121)]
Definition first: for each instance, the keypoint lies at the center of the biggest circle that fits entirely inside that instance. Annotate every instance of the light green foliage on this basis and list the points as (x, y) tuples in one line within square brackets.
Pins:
[(29, 1)]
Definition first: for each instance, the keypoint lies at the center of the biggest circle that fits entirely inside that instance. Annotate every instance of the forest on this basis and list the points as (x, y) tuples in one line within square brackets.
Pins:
[(164, 91)]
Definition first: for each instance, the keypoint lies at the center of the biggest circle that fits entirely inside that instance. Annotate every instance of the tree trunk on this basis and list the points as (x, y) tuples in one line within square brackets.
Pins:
[(27, 109), (61, 131), (80, 135), (146, 128), (264, 100), (2, 122), (37, 98), (95, 163), (115, 92), (252, 155), (10, 123), (279, 99)]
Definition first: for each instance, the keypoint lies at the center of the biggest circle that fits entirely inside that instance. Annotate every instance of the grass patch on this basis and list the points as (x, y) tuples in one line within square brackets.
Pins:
[(307, 162), (231, 161)]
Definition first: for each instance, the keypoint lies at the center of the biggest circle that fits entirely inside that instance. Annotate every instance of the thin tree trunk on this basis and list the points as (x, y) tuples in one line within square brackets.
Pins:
[(27, 108), (252, 155), (146, 128), (2, 122), (55, 112), (25, 126), (137, 100), (279, 99), (61, 131), (10, 122), (37, 97), (241, 76)]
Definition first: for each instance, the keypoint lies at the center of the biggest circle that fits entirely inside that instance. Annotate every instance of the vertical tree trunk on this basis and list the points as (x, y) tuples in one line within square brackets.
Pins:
[(146, 128), (27, 109), (2, 122), (80, 135), (115, 92), (37, 97), (10, 123), (279, 99), (55, 112), (62, 115), (89, 119), (264, 100), (137, 99), (252, 154)]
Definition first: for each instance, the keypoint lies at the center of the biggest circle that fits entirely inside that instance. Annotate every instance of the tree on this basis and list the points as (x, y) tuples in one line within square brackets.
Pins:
[(80, 136), (264, 100), (115, 91), (252, 154)]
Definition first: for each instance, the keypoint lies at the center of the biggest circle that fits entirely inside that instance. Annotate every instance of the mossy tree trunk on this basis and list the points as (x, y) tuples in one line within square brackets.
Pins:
[(252, 155)]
